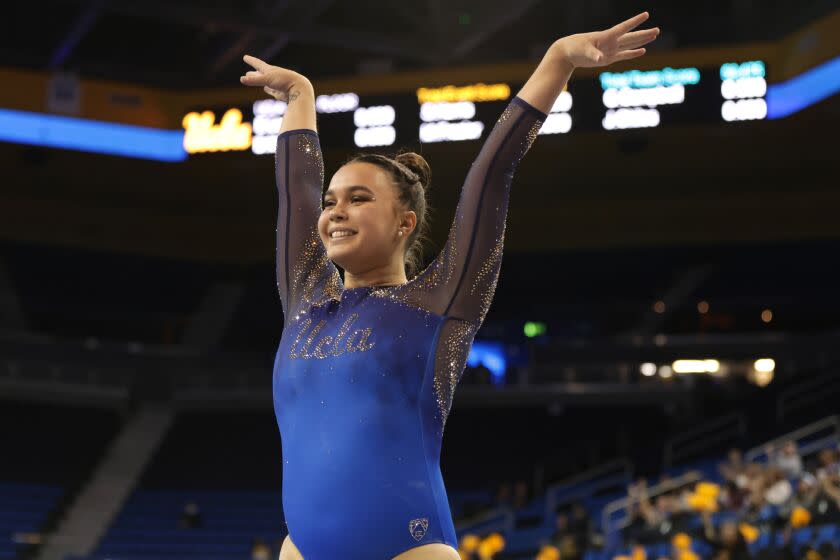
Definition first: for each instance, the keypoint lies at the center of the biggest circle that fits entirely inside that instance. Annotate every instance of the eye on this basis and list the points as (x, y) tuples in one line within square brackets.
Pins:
[(352, 199)]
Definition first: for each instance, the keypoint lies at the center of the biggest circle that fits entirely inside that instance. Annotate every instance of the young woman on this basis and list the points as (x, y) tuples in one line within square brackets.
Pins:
[(366, 368)]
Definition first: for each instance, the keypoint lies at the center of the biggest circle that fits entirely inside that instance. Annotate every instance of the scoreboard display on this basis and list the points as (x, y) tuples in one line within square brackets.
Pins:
[(612, 101)]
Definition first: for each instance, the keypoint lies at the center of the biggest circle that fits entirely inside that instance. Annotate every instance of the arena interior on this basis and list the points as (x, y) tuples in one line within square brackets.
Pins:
[(657, 377)]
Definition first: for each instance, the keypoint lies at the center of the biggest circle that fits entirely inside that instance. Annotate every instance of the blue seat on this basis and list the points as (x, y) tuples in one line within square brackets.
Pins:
[(763, 540), (802, 536), (828, 533)]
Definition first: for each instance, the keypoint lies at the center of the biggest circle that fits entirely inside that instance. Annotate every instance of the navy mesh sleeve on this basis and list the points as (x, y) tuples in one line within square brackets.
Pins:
[(304, 273), (461, 281)]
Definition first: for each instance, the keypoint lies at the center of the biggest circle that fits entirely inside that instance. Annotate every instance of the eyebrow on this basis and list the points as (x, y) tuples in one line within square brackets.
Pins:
[(350, 189)]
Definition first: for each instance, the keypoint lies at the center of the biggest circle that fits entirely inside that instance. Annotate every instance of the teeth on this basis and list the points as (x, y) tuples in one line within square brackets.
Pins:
[(341, 234)]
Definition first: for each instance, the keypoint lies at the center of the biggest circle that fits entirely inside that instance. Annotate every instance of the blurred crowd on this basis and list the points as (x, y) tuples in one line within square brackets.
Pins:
[(772, 497), (776, 496)]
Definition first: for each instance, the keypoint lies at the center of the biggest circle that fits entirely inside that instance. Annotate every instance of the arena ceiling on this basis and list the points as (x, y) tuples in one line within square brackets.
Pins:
[(191, 44)]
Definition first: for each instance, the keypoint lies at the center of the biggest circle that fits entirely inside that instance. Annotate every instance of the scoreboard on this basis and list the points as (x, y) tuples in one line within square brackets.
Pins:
[(734, 91)]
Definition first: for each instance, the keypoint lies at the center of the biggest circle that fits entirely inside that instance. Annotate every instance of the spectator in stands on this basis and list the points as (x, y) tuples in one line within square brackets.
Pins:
[(734, 467), (520, 494), (682, 513), (752, 473), (828, 463), (826, 505), (787, 458), (806, 492), (564, 540), (504, 495), (260, 550), (754, 508), (580, 526), (732, 496), (728, 541), (191, 517), (648, 524), (778, 490)]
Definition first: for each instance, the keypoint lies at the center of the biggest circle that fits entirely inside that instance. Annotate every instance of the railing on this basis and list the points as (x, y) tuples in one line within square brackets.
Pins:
[(704, 437), (807, 393), (618, 472), (501, 519), (47, 380), (830, 424)]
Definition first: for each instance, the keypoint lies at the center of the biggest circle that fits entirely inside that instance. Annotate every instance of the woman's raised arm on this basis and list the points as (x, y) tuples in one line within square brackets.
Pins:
[(461, 281), (304, 273)]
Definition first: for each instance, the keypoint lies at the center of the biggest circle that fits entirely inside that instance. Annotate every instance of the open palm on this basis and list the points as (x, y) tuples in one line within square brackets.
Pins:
[(601, 48)]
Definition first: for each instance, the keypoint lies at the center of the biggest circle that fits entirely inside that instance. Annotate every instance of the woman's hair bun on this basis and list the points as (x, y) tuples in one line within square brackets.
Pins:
[(416, 163)]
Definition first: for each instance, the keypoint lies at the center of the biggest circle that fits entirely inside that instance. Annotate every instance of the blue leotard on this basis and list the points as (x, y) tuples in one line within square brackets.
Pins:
[(364, 377)]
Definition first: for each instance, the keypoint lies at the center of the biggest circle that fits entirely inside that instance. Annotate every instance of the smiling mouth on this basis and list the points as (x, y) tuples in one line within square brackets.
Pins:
[(341, 237)]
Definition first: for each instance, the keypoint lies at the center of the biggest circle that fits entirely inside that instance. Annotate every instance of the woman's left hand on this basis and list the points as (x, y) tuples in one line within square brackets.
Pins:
[(601, 48)]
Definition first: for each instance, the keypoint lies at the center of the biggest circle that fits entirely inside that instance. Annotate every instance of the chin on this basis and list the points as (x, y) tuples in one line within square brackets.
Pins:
[(340, 257)]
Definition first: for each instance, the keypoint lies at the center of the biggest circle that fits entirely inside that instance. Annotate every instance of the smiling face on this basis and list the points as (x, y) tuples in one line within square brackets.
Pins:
[(362, 201)]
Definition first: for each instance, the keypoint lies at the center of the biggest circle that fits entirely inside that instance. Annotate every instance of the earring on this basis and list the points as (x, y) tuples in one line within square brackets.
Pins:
[(401, 232)]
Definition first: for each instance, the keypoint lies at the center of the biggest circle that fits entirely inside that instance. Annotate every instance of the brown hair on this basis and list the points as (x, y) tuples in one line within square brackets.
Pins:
[(411, 174)]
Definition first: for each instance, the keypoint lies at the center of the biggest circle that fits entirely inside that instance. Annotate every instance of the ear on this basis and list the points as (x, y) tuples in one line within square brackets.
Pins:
[(408, 221)]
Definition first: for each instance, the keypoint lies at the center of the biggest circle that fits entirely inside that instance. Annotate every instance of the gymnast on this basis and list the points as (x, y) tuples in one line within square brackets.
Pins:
[(367, 366)]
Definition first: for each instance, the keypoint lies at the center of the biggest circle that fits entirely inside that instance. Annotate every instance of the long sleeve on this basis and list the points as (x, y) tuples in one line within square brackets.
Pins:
[(304, 273), (461, 281)]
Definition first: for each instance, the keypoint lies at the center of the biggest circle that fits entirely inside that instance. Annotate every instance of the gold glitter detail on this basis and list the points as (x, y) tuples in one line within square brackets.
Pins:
[(489, 266), (425, 290), (304, 274), (506, 114), (304, 352), (308, 147), (313, 278), (530, 137), (303, 327), (328, 346), (484, 284), (319, 351), (453, 349), (333, 287)]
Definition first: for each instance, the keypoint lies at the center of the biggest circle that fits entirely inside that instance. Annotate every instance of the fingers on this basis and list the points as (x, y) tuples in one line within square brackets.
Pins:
[(252, 78), (630, 24), (627, 55), (255, 62), (637, 39)]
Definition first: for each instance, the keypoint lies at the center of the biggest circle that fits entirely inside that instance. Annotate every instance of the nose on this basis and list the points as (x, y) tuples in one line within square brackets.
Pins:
[(336, 209)]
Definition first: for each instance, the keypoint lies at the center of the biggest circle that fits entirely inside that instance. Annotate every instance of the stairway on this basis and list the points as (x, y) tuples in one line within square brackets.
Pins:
[(99, 501)]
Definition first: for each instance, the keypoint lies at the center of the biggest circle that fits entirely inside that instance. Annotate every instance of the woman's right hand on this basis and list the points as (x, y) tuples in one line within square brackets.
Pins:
[(275, 81)]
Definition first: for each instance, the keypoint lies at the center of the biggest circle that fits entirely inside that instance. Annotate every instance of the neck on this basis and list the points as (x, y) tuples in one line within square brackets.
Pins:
[(374, 278)]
